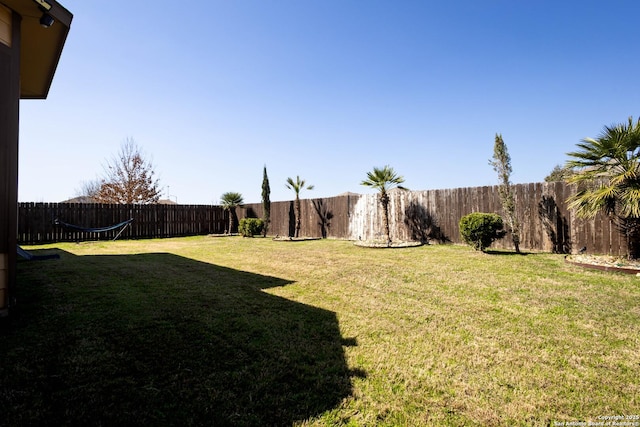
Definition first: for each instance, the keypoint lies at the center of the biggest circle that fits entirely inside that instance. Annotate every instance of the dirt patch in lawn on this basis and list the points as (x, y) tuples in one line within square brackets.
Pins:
[(382, 245), (605, 263), (294, 239)]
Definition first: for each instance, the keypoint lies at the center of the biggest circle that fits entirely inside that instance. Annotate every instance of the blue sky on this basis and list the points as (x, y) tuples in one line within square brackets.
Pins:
[(213, 90)]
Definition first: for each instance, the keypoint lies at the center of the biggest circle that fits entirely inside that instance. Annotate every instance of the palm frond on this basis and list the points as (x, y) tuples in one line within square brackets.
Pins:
[(383, 179), (608, 172), (231, 200), (587, 203), (630, 202), (297, 185)]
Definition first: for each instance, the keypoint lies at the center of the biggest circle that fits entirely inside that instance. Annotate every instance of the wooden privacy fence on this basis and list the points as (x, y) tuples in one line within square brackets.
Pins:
[(41, 222), (328, 217), (546, 222)]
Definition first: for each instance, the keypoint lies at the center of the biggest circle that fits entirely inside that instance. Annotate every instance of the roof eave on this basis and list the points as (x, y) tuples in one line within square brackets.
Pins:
[(40, 48)]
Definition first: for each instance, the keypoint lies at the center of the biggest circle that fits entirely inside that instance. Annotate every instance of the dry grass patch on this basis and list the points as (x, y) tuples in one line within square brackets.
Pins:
[(433, 335)]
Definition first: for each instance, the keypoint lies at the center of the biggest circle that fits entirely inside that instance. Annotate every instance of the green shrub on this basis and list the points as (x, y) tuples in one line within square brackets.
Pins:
[(480, 230), (249, 227)]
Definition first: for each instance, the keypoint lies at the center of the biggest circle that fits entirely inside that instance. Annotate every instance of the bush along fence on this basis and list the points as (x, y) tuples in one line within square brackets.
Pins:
[(71, 222), (432, 216)]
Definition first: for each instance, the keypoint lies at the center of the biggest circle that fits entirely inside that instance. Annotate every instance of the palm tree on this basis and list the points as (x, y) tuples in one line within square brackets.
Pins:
[(297, 186), (383, 180), (230, 201), (607, 171)]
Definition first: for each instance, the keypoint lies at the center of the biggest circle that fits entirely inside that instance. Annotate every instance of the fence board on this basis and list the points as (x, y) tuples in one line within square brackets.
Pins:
[(37, 221), (546, 222)]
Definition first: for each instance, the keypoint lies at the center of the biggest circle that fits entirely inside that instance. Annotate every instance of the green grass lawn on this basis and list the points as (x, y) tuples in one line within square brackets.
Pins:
[(252, 332)]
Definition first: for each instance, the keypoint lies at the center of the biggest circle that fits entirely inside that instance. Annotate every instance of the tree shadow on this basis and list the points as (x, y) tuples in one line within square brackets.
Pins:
[(503, 252), (324, 216), (422, 225), (292, 219), (555, 225), (629, 228), (250, 212), (158, 339)]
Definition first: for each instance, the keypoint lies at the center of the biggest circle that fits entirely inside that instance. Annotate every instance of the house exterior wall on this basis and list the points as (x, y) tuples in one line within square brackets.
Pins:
[(5, 25), (9, 119)]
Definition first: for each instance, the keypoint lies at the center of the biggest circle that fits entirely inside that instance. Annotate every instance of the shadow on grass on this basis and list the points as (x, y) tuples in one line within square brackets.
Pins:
[(158, 339), (498, 252)]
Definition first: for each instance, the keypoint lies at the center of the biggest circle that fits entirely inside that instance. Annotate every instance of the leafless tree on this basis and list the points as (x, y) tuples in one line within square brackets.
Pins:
[(129, 178), (88, 191)]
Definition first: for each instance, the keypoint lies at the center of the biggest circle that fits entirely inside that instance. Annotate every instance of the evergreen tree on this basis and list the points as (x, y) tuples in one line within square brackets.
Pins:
[(502, 165), (559, 173), (266, 202)]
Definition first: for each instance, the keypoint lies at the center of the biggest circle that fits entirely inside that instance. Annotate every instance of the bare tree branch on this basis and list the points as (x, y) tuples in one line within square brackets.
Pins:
[(129, 178)]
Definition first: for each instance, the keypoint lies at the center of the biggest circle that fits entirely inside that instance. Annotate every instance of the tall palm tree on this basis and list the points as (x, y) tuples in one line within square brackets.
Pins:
[(230, 201), (297, 186), (607, 171), (383, 180)]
